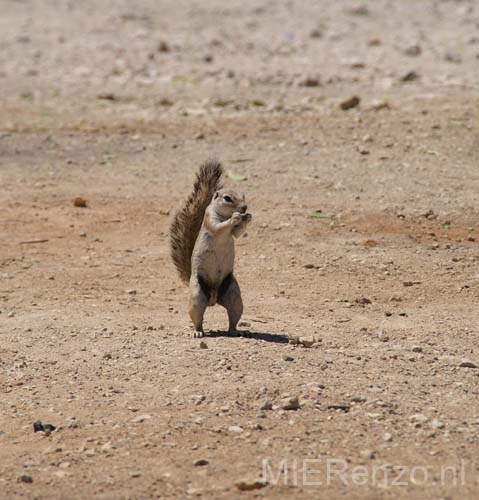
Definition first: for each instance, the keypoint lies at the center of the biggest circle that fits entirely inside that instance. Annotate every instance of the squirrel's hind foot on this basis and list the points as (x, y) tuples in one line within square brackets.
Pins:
[(198, 334)]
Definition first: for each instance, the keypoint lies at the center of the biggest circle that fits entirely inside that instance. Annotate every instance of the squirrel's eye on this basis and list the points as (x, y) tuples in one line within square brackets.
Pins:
[(227, 199)]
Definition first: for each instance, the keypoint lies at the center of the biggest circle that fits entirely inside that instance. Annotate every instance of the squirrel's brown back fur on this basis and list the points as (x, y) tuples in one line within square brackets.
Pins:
[(187, 221)]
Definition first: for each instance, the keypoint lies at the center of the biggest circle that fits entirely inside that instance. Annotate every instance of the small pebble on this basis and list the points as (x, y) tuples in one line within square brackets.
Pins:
[(418, 418), (80, 202), (410, 76), (467, 363), (266, 405), (413, 51), (140, 418), (235, 428), (289, 403), (200, 462), (248, 484), (163, 46), (310, 82), (437, 424), (307, 341), (350, 103)]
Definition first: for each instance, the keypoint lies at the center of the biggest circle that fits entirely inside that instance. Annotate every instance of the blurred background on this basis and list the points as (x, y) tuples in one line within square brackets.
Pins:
[(145, 59)]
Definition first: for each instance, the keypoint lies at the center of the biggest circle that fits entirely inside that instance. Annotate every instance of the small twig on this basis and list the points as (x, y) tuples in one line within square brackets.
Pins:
[(241, 160), (261, 320), (344, 408), (32, 242)]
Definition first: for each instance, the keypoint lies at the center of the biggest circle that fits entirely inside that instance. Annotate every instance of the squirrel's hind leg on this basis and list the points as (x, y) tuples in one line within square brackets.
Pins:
[(229, 296), (198, 305)]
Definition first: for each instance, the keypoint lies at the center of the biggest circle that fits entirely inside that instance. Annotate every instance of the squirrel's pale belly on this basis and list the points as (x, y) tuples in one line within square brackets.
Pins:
[(213, 258)]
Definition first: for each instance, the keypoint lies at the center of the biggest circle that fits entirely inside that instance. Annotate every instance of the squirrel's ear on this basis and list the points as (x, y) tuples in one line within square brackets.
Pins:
[(216, 195)]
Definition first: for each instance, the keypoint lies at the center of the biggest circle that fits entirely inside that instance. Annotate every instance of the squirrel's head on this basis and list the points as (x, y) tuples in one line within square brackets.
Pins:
[(227, 201)]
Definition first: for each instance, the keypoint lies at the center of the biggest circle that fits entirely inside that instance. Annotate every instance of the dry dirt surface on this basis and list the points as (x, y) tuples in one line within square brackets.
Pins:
[(364, 245)]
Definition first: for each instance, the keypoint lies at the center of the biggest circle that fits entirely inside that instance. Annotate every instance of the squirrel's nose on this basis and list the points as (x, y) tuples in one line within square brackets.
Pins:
[(243, 208)]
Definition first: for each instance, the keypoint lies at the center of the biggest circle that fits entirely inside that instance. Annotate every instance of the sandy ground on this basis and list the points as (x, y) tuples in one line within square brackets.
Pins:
[(119, 102)]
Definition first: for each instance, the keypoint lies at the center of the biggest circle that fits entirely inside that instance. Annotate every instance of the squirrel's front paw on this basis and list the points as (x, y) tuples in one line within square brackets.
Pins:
[(246, 217), (236, 219)]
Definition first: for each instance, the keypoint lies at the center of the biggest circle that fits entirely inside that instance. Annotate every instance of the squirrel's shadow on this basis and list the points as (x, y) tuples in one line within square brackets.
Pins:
[(276, 338)]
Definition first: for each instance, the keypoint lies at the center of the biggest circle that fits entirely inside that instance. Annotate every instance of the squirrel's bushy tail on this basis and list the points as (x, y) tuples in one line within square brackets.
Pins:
[(187, 221)]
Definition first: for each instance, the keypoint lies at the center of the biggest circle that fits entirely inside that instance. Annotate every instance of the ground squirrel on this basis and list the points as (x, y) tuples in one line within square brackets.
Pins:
[(202, 245)]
